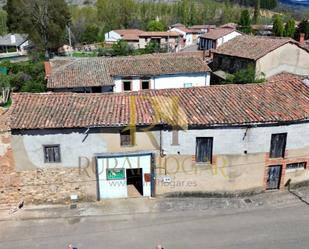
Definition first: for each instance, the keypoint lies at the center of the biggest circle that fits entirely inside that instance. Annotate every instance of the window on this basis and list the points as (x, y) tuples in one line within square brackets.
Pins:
[(145, 84), (277, 145), (296, 166), (127, 138), (52, 153), (126, 85), (187, 85), (175, 138), (204, 149)]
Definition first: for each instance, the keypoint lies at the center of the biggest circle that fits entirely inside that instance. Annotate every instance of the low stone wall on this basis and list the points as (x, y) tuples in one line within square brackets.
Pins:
[(47, 186)]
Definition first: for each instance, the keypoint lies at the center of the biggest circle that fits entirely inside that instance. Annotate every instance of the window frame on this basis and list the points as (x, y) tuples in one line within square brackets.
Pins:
[(272, 144), (131, 136), (145, 80), (45, 146), (185, 85), (126, 81), (175, 138), (296, 169), (211, 150)]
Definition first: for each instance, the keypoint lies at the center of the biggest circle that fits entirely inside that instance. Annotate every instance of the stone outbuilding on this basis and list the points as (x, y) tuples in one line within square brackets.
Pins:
[(267, 55)]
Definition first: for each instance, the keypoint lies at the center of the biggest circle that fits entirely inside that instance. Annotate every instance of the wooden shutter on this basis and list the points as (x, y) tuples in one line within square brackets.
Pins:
[(204, 149)]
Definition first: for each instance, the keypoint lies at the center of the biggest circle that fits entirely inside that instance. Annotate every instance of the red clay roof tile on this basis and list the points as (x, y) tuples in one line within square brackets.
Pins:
[(284, 99)]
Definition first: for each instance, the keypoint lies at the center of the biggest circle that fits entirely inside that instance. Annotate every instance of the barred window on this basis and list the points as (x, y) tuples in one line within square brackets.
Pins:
[(52, 153)]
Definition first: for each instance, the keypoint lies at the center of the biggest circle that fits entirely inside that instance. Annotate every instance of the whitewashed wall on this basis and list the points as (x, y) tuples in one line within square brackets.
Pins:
[(232, 141), (168, 81), (112, 36), (227, 37), (119, 188)]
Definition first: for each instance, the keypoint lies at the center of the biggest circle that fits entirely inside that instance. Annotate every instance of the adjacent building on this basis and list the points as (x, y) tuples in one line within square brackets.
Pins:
[(267, 55), (216, 37), (131, 36), (122, 74), (165, 39), (208, 139), (14, 47)]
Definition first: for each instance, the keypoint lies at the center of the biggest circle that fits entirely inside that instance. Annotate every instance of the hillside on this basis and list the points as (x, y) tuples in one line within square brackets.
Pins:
[(73, 2)]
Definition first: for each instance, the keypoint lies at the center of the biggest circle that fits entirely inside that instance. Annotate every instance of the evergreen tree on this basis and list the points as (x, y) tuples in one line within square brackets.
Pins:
[(303, 27), (278, 27), (245, 21), (256, 11), (289, 29)]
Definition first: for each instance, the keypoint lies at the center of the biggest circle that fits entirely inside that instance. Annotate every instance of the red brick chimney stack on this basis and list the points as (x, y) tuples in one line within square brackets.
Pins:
[(48, 69), (302, 39)]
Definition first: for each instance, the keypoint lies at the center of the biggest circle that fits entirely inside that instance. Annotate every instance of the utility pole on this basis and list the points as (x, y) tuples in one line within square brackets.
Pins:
[(70, 39)]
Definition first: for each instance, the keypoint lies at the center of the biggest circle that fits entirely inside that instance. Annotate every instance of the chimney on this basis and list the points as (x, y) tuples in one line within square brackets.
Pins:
[(48, 69), (13, 39), (302, 39)]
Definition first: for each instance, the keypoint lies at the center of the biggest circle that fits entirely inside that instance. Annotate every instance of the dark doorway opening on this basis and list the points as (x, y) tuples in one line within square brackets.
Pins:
[(274, 177), (135, 182)]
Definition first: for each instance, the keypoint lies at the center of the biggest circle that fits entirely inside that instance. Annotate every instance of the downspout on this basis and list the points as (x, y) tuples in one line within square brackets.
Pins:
[(161, 141)]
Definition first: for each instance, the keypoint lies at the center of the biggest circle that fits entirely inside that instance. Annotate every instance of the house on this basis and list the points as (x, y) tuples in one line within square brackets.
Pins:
[(13, 43), (128, 73), (14, 47), (226, 138), (131, 36), (216, 37), (167, 40), (267, 55), (204, 28), (263, 30), (188, 35)]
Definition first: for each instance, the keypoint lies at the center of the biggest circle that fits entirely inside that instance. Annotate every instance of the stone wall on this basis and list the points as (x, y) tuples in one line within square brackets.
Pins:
[(230, 64), (50, 185)]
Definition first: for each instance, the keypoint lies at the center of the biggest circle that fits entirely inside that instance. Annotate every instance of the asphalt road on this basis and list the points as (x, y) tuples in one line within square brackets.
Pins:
[(284, 228)]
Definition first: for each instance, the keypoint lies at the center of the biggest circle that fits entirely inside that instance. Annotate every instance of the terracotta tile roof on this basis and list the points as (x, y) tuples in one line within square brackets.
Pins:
[(252, 47), (129, 34), (285, 99), (4, 120), (157, 65), (90, 72), (186, 30), (205, 26), (80, 72), (159, 34), (217, 33)]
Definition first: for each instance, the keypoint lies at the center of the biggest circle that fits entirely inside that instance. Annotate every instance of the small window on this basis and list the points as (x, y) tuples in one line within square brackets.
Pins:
[(127, 138), (296, 166), (52, 154), (175, 137), (187, 85), (277, 145), (145, 84), (204, 149), (126, 85)]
